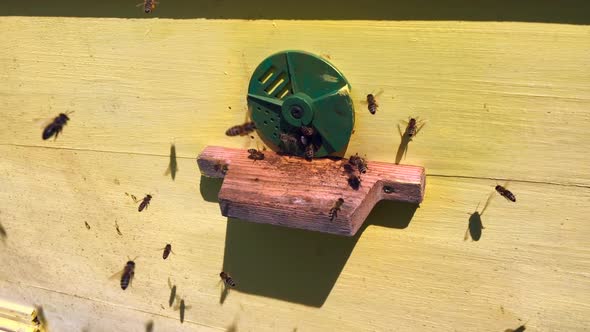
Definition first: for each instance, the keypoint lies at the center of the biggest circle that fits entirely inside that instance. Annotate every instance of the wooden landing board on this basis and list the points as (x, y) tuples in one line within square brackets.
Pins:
[(293, 192)]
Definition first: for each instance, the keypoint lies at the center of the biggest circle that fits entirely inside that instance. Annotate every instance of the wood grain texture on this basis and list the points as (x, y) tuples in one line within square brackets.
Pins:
[(501, 101), (294, 192)]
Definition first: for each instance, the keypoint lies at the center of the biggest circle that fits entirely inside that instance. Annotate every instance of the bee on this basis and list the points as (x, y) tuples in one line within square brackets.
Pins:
[(56, 126), (335, 208), (309, 152), (505, 193), (128, 274), (414, 125), (307, 131), (87, 226), (289, 141), (359, 162), (372, 101), (354, 181), (221, 167), (148, 5), (144, 202), (255, 154), (241, 130), (227, 279), (167, 250)]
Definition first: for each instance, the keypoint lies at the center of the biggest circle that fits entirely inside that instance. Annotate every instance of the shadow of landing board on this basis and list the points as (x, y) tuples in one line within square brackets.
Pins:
[(296, 265), (571, 12)]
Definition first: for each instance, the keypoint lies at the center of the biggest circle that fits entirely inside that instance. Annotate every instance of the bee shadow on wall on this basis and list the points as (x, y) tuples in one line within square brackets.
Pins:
[(297, 265)]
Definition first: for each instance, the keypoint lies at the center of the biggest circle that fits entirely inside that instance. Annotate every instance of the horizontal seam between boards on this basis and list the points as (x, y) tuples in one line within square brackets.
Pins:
[(191, 158), (108, 303)]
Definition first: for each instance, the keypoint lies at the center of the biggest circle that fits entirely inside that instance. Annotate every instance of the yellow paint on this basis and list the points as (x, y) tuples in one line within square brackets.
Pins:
[(501, 100)]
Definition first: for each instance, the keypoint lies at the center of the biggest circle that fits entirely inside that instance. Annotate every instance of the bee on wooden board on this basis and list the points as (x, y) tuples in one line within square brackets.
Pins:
[(256, 154), (144, 202), (87, 226), (413, 127), (56, 126), (309, 152), (148, 5), (126, 274), (221, 167), (335, 208), (227, 279), (505, 192), (359, 162), (354, 181), (241, 130)]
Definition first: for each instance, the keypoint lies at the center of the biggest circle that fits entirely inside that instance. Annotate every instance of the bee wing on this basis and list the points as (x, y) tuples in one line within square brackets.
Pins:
[(169, 283), (42, 122), (139, 4), (117, 275), (420, 128), (378, 94), (466, 234), (506, 184)]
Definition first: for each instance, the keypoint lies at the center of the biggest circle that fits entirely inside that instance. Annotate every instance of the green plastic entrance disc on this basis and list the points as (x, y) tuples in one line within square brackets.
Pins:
[(291, 89)]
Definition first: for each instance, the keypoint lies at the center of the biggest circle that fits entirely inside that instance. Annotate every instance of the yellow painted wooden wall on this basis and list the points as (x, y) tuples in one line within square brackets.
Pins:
[(502, 100)]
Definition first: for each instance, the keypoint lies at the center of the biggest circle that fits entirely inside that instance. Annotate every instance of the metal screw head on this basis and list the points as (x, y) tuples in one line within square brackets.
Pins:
[(296, 112)]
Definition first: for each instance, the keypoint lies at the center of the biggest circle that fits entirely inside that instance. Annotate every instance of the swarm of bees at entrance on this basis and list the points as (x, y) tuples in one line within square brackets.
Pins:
[(302, 141), (354, 168)]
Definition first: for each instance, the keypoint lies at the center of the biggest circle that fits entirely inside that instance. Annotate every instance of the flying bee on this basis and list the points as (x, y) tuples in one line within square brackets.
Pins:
[(505, 193), (126, 274), (255, 154), (227, 279), (372, 101), (309, 152), (413, 127), (148, 5), (241, 130), (307, 131), (144, 202), (167, 250), (335, 208), (220, 167), (56, 126), (359, 162)]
